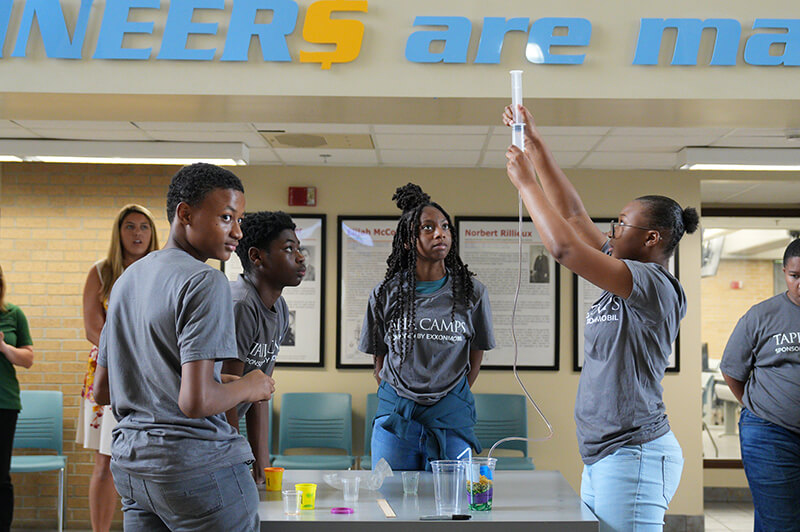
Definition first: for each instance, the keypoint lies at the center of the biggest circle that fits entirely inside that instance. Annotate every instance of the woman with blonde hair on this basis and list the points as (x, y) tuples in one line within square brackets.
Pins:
[(133, 236)]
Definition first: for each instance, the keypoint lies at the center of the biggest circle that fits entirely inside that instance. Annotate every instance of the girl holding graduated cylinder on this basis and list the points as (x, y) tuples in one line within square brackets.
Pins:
[(632, 461)]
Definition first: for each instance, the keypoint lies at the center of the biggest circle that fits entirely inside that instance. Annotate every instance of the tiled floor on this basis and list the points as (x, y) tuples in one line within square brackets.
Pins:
[(723, 516)]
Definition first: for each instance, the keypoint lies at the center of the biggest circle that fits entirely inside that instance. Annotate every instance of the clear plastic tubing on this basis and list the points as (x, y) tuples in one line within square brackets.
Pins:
[(518, 128)]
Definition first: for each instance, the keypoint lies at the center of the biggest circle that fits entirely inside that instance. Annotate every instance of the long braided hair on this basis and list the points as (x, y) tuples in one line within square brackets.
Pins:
[(402, 262)]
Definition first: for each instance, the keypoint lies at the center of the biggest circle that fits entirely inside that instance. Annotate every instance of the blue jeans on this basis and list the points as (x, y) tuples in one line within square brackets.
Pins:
[(771, 458), (408, 454), (630, 489), (220, 501)]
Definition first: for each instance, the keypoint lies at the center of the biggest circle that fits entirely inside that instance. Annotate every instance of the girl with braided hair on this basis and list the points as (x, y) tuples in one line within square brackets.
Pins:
[(632, 460), (427, 325)]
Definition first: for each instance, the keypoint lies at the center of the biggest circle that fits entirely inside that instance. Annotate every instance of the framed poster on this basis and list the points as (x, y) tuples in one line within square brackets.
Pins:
[(364, 244), (304, 343), (490, 246), (584, 296)]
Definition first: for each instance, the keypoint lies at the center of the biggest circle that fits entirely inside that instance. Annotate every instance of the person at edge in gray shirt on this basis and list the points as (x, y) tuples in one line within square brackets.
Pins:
[(270, 253), (762, 368), (632, 461), (176, 462)]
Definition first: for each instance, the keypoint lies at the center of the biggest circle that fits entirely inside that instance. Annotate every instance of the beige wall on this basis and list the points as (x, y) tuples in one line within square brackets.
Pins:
[(54, 223), (723, 305)]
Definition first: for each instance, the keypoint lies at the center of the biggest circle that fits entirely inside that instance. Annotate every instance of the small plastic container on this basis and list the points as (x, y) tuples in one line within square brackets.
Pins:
[(350, 488), (291, 502), (480, 482), (308, 495), (410, 482)]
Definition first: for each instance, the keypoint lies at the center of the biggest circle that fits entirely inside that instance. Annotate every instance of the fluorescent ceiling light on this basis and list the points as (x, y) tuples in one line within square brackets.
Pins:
[(172, 153), (9, 159), (754, 159)]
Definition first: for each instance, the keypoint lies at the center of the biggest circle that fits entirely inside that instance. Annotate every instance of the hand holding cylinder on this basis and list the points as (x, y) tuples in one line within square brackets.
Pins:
[(518, 126)]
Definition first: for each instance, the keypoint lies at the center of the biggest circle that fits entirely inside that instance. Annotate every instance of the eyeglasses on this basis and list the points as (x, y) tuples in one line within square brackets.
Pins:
[(622, 225)]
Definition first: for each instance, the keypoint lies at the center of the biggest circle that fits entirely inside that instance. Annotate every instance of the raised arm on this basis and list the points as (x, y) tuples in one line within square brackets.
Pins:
[(560, 237), (557, 188), (94, 315)]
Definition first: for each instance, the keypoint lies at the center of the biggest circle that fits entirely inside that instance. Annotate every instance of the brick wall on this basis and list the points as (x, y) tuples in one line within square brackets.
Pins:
[(55, 222), (723, 306)]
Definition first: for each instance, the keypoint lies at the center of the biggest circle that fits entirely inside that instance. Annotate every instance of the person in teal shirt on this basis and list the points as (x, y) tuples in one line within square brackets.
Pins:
[(16, 349)]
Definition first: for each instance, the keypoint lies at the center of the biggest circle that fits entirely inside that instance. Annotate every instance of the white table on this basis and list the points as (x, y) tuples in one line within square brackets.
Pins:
[(523, 500)]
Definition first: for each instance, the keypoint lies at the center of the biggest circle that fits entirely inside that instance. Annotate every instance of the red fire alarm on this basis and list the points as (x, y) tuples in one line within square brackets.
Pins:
[(303, 196), (736, 285)]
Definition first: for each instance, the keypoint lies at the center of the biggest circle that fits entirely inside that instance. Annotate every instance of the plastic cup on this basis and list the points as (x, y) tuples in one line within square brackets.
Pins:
[(291, 502), (308, 495), (410, 482), (350, 488), (448, 485), (480, 482), (273, 478)]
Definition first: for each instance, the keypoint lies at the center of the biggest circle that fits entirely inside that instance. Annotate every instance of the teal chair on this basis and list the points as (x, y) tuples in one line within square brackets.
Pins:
[(243, 426), (500, 416), (372, 406), (39, 426), (315, 420)]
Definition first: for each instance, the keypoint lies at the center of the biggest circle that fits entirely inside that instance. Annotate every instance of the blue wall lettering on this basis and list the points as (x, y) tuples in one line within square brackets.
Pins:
[(756, 51), (5, 18), (541, 38), (272, 36), (494, 32), (115, 25), (53, 28), (455, 37), (687, 41), (179, 25)]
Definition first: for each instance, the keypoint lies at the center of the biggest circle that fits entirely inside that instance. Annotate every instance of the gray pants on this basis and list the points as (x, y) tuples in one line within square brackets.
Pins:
[(223, 500)]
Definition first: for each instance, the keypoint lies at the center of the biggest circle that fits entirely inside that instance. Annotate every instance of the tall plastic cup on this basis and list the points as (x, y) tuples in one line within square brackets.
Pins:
[(448, 486), (480, 482)]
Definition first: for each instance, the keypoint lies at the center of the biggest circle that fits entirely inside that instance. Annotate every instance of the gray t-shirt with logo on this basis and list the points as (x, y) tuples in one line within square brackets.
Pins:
[(259, 330), (627, 347), (440, 358), (166, 310), (764, 353)]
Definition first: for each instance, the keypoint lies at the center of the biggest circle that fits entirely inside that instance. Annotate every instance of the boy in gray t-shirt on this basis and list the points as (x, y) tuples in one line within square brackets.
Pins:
[(270, 254), (176, 462)]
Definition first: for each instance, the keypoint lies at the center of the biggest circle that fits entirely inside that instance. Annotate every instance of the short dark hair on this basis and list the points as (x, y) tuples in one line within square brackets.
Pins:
[(792, 250), (259, 229), (192, 183), (670, 219)]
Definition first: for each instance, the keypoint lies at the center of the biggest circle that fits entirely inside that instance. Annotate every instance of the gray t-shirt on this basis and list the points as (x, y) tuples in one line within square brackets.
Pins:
[(167, 309), (259, 330), (627, 347), (764, 353), (440, 357)]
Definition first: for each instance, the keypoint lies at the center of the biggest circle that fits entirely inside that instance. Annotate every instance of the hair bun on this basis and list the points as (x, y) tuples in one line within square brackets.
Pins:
[(690, 219), (409, 197)]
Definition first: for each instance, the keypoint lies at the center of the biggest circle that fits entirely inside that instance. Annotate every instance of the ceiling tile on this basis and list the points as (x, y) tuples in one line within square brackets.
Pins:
[(337, 157), (757, 132), (582, 143), (312, 128), (91, 134), (630, 160), (194, 126), (429, 158), (431, 130), (573, 131), (757, 142), (429, 142), (723, 191), (97, 125), (761, 192), (19, 133), (263, 156), (654, 144), (668, 131), (251, 138)]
